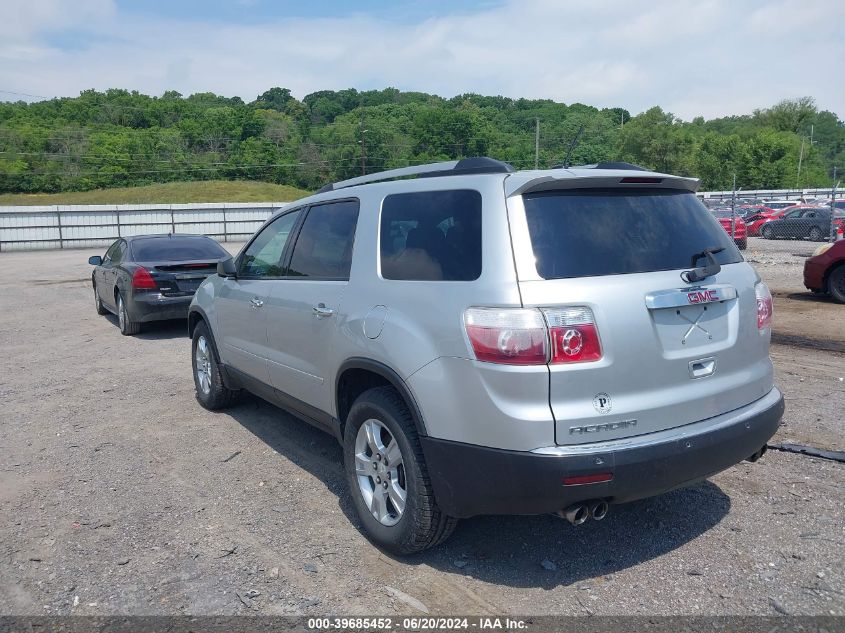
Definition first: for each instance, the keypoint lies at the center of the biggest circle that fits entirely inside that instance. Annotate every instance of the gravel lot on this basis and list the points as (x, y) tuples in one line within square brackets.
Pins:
[(121, 495)]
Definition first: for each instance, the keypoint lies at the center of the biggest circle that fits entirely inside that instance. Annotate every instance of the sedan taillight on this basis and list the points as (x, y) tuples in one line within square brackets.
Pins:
[(143, 280)]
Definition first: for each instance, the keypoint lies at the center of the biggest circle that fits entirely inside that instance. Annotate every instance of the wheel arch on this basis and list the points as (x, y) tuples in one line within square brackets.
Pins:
[(358, 374)]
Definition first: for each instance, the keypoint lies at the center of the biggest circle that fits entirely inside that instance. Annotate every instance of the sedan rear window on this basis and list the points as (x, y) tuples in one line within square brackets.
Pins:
[(177, 249), (593, 232)]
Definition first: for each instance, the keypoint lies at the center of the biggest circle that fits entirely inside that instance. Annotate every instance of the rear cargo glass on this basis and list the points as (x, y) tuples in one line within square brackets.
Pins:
[(176, 249), (593, 232)]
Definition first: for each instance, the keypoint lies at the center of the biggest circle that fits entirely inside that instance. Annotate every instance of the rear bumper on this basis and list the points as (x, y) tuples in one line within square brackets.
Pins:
[(469, 480), (153, 306)]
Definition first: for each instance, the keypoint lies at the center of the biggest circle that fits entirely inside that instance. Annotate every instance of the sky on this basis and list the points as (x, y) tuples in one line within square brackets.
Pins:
[(691, 57)]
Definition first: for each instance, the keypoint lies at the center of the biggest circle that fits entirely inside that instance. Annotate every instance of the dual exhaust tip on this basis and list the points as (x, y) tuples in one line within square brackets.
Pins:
[(578, 513)]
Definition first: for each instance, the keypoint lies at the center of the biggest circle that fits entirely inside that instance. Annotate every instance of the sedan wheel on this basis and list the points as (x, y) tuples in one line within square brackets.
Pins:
[(836, 284), (128, 327), (815, 234), (98, 304), (767, 233), (380, 470)]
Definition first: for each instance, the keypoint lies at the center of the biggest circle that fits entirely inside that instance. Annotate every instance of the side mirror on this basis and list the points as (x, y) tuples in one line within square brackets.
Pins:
[(96, 260), (226, 268)]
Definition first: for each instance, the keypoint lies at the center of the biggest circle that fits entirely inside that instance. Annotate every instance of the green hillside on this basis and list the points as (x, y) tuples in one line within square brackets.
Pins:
[(167, 193)]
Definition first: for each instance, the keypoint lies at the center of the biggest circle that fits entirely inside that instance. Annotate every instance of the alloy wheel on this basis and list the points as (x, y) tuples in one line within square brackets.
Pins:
[(202, 360), (380, 470)]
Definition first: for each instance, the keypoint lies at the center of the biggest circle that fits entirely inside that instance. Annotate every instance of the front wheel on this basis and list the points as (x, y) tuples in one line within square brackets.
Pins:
[(211, 393), (815, 234), (98, 303), (128, 327), (836, 284), (387, 475)]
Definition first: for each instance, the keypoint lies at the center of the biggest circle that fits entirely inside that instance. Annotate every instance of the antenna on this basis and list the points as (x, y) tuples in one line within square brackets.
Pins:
[(572, 147)]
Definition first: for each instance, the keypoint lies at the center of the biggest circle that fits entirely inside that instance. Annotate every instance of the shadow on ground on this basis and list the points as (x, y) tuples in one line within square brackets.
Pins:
[(511, 550), (157, 330)]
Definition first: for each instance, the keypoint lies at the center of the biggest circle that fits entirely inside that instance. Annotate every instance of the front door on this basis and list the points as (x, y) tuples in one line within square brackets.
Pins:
[(306, 306), (241, 304)]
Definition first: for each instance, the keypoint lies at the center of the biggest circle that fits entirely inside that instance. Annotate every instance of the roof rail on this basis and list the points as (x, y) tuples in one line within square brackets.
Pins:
[(462, 167), (607, 165)]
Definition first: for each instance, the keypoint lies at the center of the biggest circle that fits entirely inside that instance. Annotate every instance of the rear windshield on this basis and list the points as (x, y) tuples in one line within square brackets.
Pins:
[(176, 249), (592, 232)]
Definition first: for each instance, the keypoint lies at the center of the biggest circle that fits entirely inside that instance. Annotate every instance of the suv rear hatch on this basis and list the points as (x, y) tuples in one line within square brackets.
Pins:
[(672, 352)]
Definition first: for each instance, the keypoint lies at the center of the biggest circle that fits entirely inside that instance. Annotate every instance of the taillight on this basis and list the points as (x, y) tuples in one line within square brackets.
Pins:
[(573, 333), (143, 280), (511, 336), (764, 306)]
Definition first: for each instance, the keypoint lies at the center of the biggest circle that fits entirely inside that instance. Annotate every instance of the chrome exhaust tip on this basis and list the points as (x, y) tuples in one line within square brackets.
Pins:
[(599, 509), (576, 514)]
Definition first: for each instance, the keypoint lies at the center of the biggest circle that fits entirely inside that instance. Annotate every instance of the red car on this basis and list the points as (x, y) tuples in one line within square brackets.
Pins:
[(755, 221), (740, 233), (825, 270)]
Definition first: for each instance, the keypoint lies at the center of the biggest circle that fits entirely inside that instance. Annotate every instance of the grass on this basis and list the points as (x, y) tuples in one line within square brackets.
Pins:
[(167, 193)]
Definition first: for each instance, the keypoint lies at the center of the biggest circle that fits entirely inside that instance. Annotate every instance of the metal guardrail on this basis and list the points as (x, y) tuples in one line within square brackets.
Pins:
[(79, 226)]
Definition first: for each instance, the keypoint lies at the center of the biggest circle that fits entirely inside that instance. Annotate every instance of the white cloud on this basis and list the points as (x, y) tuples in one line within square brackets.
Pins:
[(708, 57)]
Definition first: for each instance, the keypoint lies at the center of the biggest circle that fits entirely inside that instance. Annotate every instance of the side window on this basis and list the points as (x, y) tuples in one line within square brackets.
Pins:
[(324, 246), (431, 236), (263, 257), (111, 254), (119, 254)]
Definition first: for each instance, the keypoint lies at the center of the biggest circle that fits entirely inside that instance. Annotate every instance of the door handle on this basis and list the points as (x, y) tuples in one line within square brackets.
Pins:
[(320, 311), (256, 302)]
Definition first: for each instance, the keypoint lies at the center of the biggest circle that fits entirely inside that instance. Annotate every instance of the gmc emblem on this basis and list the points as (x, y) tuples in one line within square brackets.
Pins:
[(703, 296)]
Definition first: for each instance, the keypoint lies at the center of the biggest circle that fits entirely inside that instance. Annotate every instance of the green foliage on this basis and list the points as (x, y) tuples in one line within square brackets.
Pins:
[(121, 138)]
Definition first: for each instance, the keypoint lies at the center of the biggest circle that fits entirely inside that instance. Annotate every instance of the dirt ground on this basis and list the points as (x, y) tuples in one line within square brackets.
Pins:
[(121, 495)]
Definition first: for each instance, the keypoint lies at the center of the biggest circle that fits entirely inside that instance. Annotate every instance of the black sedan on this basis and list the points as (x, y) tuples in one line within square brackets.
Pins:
[(152, 277), (798, 224)]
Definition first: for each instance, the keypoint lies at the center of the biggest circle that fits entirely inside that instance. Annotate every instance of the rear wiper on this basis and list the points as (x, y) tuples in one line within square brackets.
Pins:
[(698, 274)]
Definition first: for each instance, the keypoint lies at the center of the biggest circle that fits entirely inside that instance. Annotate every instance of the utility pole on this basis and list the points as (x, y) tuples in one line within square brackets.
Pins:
[(733, 210), (363, 148), (800, 158), (832, 236), (537, 143)]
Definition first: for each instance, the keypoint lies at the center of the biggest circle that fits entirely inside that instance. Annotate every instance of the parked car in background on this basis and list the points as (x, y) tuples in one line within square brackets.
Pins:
[(152, 277), (811, 223), (475, 339), (825, 270), (755, 221), (780, 204), (739, 231), (748, 210)]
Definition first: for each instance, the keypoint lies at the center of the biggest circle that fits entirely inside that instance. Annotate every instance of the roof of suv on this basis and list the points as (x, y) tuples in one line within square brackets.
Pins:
[(518, 182)]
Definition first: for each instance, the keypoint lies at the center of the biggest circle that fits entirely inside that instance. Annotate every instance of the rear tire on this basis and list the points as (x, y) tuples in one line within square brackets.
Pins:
[(211, 393), (767, 233), (416, 523), (128, 327), (836, 284), (98, 304), (743, 244)]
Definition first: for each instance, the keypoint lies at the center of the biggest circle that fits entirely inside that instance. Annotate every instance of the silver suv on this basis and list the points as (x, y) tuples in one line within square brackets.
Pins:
[(485, 341)]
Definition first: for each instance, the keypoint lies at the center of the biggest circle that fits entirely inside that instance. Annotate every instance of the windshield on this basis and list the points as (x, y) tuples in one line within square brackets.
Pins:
[(177, 249), (591, 232)]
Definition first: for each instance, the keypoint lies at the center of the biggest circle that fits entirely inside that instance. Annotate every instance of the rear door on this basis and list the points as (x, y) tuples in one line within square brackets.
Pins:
[(240, 304), (305, 308), (673, 352)]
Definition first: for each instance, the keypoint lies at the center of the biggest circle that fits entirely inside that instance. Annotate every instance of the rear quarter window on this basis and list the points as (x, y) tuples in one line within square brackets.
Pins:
[(431, 236), (593, 232)]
